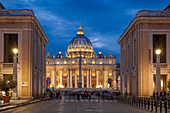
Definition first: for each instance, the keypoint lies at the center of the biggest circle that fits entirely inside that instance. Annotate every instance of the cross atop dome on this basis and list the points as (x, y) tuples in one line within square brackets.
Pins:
[(80, 31)]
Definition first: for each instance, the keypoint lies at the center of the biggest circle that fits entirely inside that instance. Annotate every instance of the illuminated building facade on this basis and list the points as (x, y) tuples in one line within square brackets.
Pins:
[(148, 31), (19, 28), (96, 71)]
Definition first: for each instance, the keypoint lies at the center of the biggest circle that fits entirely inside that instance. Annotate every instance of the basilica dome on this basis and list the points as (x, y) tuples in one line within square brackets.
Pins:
[(80, 43)]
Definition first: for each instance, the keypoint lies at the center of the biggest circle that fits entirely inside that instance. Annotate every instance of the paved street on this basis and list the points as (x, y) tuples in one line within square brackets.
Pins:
[(71, 105)]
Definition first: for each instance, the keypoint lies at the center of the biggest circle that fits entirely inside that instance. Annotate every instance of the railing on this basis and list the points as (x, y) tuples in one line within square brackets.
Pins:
[(145, 13), (8, 65), (10, 12), (161, 65), (150, 104)]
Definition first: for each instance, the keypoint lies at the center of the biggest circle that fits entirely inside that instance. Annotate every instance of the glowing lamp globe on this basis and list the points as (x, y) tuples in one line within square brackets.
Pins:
[(15, 51), (158, 51)]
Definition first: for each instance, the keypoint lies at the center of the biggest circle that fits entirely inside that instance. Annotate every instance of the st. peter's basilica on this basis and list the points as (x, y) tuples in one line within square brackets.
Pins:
[(96, 71)]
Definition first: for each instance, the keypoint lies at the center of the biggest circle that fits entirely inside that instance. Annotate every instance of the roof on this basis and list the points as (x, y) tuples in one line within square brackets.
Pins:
[(146, 13), (167, 8), (1, 6)]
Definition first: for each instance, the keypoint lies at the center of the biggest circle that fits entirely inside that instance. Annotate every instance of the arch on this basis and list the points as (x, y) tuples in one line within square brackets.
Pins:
[(110, 82), (48, 81)]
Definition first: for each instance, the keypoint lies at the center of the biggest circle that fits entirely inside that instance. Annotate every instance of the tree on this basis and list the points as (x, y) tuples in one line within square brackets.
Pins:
[(6, 84)]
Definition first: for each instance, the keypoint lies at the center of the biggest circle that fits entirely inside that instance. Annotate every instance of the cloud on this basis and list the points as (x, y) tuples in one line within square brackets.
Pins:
[(57, 26), (28, 1), (98, 44), (105, 41), (132, 12), (94, 40)]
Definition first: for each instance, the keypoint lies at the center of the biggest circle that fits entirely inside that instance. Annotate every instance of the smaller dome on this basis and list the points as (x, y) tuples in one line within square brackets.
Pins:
[(48, 56), (59, 55), (110, 55), (100, 55)]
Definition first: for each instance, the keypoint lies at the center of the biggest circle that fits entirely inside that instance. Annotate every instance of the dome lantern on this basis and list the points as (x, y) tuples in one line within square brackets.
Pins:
[(80, 31)]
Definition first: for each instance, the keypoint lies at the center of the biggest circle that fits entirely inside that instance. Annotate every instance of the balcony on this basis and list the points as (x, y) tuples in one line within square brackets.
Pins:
[(162, 65), (8, 65)]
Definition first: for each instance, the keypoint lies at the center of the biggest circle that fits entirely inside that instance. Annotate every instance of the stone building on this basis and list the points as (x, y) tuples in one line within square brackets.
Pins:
[(148, 31), (19, 28), (95, 71)]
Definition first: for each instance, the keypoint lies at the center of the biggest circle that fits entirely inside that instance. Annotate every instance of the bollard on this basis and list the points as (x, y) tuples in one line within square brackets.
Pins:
[(151, 105), (165, 104), (145, 103), (142, 102), (148, 103), (133, 101), (160, 106), (168, 103), (155, 106)]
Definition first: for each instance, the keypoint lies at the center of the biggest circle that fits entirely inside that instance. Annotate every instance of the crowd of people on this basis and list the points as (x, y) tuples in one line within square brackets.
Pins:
[(80, 94)]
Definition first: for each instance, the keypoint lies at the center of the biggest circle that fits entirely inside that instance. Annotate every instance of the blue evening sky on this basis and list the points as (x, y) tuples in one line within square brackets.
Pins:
[(103, 21)]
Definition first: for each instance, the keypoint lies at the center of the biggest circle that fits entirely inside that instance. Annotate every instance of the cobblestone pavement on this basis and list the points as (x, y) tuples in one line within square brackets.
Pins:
[(71, 105)]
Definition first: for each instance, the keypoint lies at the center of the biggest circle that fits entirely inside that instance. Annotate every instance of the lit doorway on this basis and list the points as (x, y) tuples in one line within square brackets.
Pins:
[(163, 83)]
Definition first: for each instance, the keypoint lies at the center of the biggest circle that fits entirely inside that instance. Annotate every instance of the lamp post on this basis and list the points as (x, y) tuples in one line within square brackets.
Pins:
[(158, 75), (80, 76), (15, 51)]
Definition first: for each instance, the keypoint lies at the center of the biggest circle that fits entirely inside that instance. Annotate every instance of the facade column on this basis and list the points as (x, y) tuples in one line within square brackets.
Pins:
[(97, 76), (71, 79), (87, 78), (54, 76), (83, 79), (68, 78), (114, 79), (90, 80), (61, 77), (105, 78), (75, 79)]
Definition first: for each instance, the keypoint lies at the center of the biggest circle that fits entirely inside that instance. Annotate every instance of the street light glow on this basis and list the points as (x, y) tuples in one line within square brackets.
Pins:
[(158, 51), (15, 51)]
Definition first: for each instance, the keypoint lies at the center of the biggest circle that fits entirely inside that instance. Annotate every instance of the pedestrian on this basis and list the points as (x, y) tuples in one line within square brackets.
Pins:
[(98, 95), (78, 96), (89, 95)]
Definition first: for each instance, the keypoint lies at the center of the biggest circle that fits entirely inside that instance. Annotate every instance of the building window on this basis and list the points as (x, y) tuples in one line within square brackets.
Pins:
[(10, 42), (123, 60), (128, 57), (159, 42), (85, 62), (93, 62), (57, 62), (73, 62), (100, 62), (134, 52), (48, 61), (65, 62), (110, 61)]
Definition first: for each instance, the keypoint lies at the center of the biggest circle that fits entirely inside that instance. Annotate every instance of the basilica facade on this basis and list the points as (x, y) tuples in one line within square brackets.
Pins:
[(81, 67)]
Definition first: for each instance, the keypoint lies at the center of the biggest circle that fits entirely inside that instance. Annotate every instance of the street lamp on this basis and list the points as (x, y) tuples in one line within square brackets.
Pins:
[(158, 75), (15, 51), (80, 76)]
